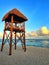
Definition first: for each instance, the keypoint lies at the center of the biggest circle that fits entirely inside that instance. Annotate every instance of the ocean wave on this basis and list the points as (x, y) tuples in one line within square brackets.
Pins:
[(45, 42)]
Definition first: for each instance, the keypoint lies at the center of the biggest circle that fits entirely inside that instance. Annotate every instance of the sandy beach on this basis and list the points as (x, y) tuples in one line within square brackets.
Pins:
[(33, 56)]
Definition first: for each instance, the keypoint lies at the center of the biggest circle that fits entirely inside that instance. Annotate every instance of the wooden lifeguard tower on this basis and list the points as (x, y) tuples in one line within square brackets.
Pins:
[(14, 23)]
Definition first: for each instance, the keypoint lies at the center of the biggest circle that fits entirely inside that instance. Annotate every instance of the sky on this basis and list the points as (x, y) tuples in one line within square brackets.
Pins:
[(36, 11)]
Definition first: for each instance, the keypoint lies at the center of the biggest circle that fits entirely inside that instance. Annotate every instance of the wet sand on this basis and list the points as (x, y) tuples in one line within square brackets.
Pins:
[(33, 56)]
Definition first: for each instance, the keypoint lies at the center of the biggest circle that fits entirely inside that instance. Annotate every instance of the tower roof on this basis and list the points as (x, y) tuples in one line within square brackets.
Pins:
[(18, 16)]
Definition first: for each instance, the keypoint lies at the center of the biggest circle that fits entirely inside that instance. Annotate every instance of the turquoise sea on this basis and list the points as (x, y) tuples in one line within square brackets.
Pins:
[(33, 42)]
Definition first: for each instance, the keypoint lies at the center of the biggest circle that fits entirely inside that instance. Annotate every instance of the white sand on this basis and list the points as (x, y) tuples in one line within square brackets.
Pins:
[(33, 56)]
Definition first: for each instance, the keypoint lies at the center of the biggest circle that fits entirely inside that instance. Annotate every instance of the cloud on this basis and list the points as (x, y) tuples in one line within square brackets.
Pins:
[(43, 31), (1, 35), (31, 34)]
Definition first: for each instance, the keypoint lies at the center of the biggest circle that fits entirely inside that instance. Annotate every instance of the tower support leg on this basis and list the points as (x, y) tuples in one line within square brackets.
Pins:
[(24, 39), (24, 44), (10, 48), (11, 29), (15, 41), (3, 41)]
